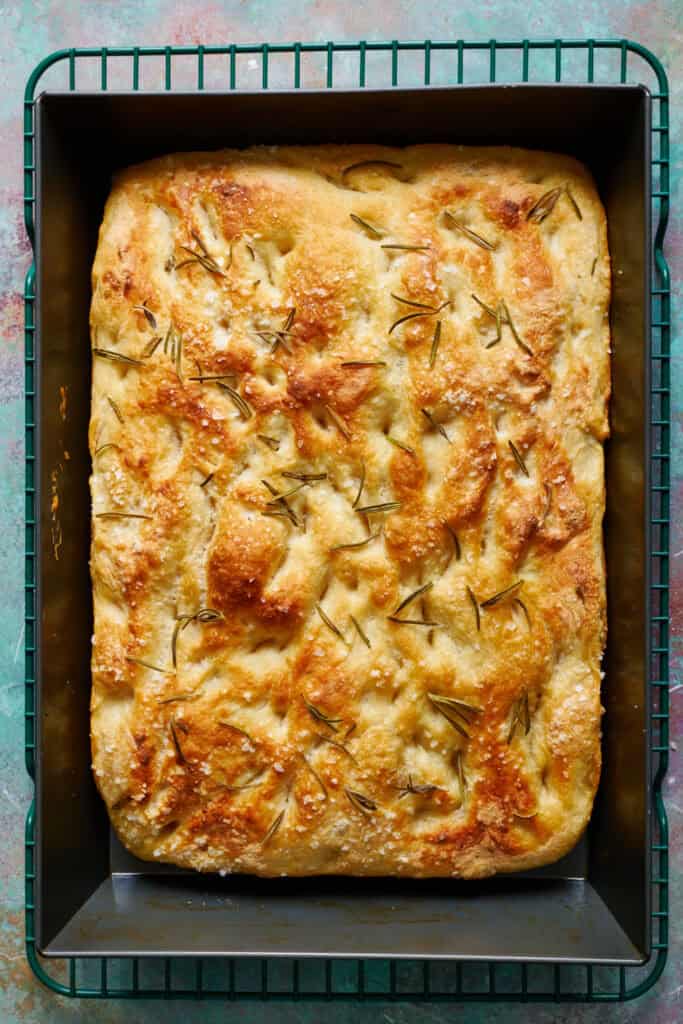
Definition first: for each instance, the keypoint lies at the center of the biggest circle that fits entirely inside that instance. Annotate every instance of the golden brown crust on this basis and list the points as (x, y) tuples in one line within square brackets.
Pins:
[(241, 720)]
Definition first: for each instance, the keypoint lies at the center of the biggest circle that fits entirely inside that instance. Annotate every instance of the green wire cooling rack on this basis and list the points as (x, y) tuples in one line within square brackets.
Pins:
[(315, 65)]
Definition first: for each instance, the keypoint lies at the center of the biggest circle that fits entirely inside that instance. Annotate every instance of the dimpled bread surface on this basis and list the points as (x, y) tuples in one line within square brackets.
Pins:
[(348, 410)]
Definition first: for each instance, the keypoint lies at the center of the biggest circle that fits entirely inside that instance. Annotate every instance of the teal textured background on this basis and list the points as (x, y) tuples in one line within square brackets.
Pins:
[(31, 31)]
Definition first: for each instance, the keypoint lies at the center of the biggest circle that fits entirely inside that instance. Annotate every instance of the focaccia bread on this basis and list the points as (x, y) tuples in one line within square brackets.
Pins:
[(348, 409)]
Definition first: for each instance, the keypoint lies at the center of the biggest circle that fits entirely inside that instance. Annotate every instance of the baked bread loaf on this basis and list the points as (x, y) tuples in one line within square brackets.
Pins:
[(348, 409)]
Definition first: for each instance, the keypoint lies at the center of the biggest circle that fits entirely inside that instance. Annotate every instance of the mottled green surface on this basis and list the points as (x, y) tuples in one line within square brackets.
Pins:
[(33, 29)]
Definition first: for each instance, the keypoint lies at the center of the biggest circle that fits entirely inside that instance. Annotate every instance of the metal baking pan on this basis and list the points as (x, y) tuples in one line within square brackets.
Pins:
[(94, 899)]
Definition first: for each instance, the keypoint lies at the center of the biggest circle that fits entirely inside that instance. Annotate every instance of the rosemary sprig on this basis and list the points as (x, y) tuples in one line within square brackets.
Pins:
[(280, 335), (361, 802), (518, 458), (329, 623), (272, 828), (475, 605), (270, 442), (176, 743), (116, 357), (387, 506), (375, 232), (501, 314), (456, 712), (121, 515), (502, 595), (424, 789), (242, 406), (306, 478), (356, 544), (405, 248), (338, 422), (103, 448), (361, 485), (202, 257), (361, 633), (369, 163), (315, 775), (456, 543), (520, 716), (483, 243), (320, 716), (413, 596), (148, 314), (433, 423), (436, 341), (147, 664), (177, 697), (115, 409), (362, 364), (400, 444), (414, 316), (279, 506)]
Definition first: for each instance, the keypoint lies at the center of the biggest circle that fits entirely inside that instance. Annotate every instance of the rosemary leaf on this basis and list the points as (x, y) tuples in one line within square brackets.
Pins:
[(415, 316), (387, 506), (356, 544), (174, 642), (433, 423), (411, 302), (412, 622), (147, 664), (329, 623), (483, 243), (177, 697), (115, 409), (594, 265), (572, 200), (176, 743), (456, 543), (272, 828), (315, 774), (508, 320), (149, 315), (400, 444), (502, 595), (360, 801), (103, 448), (436, 341), (456, 712), (411, 597), (270, 442), (520, 716), (236, 728), (307, 478), (242, 406), (287, 494), (289, 320), (544, 206), (116, 357), (375, 232), (151, 347), (406, 248), (518, 601), (282, 513), (518, 458), (459, 758), (121, 515), (416, 789), (475, 605), (487, 309), (336, 744), (320, 716), (338, 422), (361, 485), (362, 364), (207, 479), (360, 631)]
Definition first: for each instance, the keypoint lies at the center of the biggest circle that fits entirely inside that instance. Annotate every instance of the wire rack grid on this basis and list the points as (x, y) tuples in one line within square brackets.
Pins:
[(375, 64)]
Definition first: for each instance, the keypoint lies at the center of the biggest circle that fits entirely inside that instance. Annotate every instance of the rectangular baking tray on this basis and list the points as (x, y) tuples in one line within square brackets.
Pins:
[(93, 899)]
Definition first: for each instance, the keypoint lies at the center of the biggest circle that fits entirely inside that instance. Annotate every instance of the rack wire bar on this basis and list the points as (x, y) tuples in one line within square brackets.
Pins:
[(608, 61)]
